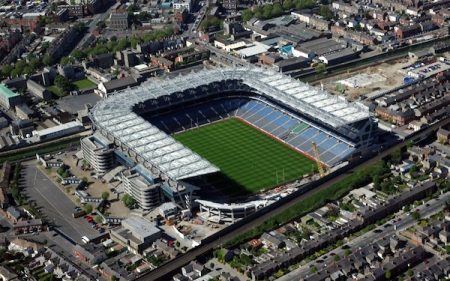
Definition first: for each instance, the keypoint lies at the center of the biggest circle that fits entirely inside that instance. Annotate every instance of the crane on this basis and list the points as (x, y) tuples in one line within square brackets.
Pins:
[(317, 158)]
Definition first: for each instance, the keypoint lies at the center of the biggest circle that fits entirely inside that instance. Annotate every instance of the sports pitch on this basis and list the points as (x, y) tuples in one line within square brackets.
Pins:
[(248, 159)]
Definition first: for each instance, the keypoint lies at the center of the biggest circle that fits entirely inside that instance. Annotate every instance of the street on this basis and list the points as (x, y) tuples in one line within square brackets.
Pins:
[(56, 206)]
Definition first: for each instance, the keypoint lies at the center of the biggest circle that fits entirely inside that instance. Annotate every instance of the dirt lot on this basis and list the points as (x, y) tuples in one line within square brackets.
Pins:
[(390, 71)]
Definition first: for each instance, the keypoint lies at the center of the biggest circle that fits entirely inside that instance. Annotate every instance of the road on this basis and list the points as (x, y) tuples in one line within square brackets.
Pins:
[(93, 24), (56, 206), (161, 273), (400, 222)]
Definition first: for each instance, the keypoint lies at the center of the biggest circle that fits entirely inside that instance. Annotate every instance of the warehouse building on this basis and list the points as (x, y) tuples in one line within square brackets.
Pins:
[(8, 98), (339, 57), (318, 47), (136, 233)]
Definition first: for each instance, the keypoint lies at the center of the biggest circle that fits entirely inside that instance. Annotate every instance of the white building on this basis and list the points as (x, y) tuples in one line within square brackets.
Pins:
[(98, 151), (59, 131), (182, 4), (142, 188)]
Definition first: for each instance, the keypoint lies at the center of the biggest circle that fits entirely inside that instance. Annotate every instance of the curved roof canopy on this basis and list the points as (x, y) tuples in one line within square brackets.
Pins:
[(115, 114)]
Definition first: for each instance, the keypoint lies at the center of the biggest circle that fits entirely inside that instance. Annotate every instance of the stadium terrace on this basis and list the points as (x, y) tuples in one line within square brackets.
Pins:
[(289, 110)]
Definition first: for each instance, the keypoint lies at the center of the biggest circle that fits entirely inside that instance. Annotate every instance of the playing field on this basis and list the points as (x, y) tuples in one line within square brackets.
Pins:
[(246, 157)]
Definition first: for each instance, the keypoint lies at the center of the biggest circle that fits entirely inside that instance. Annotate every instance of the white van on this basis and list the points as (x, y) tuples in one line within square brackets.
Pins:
[(85, 239)]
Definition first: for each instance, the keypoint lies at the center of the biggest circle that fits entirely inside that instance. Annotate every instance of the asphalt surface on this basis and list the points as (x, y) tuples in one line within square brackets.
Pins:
[(401, 222), (72, 104), (162, 272), (54, 203)]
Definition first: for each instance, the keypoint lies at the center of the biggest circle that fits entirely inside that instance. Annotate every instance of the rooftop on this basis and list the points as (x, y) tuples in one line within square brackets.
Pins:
[(51, 130), (140, 227), (5, 91)]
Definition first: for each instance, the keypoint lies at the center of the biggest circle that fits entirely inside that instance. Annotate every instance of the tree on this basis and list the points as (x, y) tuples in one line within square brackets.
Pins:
[(88, 208), (396, 156), (388, 275), (128, 200), (325, 12), (98, 219), (78, 54), (105, 195), (410, 272), (247, 14), (122, 44), (19, 67), (347, 252), (304, 4), (134, 41), (204, 25), (415, 215), (62, 83), (258, 15), (34, 63), (320, 68), (288, 4), (277, 10), (6, 70), (47, 60), (409, 143), (45, 45), (376, 182), (67, 60), (267, 11)]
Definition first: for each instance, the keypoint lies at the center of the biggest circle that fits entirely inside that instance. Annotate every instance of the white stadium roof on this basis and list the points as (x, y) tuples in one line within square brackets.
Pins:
[(115, 114)]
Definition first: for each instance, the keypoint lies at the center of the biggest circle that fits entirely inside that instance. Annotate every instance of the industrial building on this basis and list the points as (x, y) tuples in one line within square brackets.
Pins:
[(318, 47), (136, 233), (8, 98), (98, 152)]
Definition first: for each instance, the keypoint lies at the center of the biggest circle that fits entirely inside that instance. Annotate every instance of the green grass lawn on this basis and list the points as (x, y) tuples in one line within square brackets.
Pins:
[(246, 157), (84, 84), (56, 91), (76, 85)]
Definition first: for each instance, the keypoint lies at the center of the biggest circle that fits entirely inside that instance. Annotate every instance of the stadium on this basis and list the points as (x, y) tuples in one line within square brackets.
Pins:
[(237, 128)]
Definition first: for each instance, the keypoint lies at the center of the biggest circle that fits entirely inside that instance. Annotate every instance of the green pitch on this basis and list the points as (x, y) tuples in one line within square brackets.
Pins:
[(248, 159)]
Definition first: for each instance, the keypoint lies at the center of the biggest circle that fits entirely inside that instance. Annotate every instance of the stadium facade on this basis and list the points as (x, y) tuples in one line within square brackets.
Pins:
[(287, 109)]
